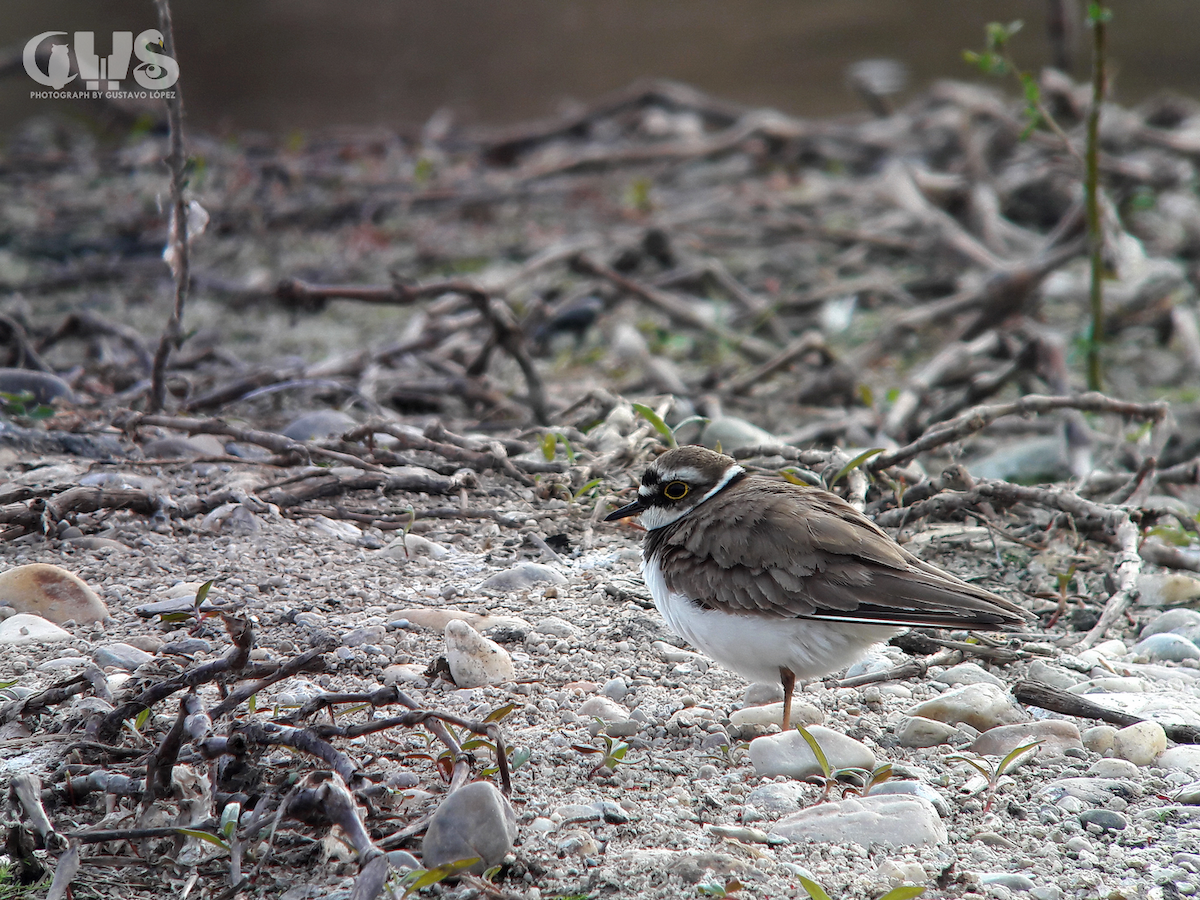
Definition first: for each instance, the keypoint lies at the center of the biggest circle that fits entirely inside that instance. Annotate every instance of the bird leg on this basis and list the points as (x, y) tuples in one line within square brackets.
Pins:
[(788, 678)]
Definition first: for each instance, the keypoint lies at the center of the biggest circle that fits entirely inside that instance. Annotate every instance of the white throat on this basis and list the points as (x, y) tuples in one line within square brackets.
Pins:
[(656, 517)]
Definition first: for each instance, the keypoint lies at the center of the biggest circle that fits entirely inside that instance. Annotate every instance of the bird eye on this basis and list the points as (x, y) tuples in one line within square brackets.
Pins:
[(675, 490)]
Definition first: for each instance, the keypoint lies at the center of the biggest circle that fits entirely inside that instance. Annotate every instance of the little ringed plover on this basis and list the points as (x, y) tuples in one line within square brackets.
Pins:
[(778, 581)]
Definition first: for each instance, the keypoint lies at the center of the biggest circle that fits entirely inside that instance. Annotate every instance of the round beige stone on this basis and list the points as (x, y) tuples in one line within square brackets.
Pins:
[(52, 593)]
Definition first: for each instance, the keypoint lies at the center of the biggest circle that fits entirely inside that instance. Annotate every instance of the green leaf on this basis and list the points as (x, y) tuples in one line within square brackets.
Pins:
[(974, 764), (656, 421), (202, 592), (204, 836), (1013, 754), (814, 890), (501, 713), (691, 420), (1097, 13), (142, 718), (520, 757), (549, 445), (7, 684), (567, 448), (879, 776), (904, 892), (591, 485), (822, 761), (855, 463), (171, 618), (418, 879), (229, 819)]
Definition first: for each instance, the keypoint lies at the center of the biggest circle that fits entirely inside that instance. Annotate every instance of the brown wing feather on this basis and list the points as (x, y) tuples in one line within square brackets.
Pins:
[(770, 547)]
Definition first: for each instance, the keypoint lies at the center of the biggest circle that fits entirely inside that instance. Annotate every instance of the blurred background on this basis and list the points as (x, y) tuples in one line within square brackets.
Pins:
[(285, 65)]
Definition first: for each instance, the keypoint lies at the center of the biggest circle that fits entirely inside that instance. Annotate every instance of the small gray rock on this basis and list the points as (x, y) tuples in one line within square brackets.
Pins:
[(777, 799), (1173, 620), (1056, 735), (121, 656), (759, 694), (403, 860), (615, 689), (603, 708), (967, 673), (1167, 647), (1014, 881), (917, 731), (522, 578), (186, 647), (359, 636), (732, 433), (1052, 675), (1104, 819), (317, 425), (45, 387), (474, 821)]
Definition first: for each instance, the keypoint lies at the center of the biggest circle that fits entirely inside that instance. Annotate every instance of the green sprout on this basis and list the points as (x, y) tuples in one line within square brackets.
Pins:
[(611, 756), (861, 780), (656, 421), (854, 464), (24, 405), (993, 772), (419, 879)]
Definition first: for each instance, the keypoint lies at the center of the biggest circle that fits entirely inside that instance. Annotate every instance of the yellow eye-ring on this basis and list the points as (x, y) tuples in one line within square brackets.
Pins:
[(675, 490)]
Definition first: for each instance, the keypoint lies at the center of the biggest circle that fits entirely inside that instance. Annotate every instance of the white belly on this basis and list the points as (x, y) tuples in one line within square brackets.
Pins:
[(757, 646)]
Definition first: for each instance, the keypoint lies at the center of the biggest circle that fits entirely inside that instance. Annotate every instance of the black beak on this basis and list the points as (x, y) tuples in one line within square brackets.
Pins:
[(625, 512)]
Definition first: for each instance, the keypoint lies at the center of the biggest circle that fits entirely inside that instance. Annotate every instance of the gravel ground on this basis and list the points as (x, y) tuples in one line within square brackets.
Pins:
[(685, 811)]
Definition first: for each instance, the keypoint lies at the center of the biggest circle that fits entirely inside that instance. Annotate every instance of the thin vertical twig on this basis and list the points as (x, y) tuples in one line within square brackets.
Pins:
[(178, 230), (1098, 19)]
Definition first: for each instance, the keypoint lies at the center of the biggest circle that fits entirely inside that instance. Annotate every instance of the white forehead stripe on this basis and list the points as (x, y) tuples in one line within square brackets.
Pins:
[(683, 473), (731, 473)]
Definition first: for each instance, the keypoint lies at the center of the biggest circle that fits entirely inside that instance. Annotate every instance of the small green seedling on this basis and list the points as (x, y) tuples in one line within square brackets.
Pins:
[(419, 879), (24, 405), (993, 773), (611, 756), (656, 421), (903, 892), (586, 489), (214, 839), (854, 464), (862, 780), (550, 442)]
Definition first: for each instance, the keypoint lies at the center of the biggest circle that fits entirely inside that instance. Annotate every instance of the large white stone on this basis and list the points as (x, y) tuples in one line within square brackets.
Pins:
[(474, 660), (24, 628), (888, 820), (1140, 743), (789, 754), (982, 706), (1181, 757)]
